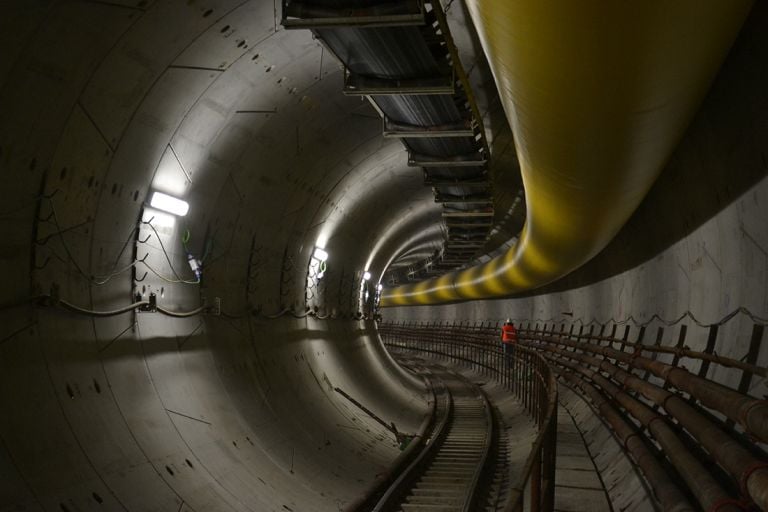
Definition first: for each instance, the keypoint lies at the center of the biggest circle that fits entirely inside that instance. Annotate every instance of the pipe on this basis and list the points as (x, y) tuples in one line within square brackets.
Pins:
[(670, 497), (703, 485), (750, 413), (751, 473), (598, 94)]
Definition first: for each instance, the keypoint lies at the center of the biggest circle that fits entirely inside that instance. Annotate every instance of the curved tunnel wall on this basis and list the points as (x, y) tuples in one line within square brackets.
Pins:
[(105, 102)]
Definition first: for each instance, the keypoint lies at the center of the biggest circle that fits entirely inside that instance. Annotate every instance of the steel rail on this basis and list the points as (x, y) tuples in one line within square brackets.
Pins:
[(403, 460), (447, 472), (399, 485), (525, 373)]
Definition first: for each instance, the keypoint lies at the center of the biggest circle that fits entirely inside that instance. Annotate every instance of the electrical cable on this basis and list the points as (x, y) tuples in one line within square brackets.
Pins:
[(77, 309), (64, 243), (668, 323), (182, 314), (103, 279), (162, 246), (51, 301), (168, 279), (96, 280)]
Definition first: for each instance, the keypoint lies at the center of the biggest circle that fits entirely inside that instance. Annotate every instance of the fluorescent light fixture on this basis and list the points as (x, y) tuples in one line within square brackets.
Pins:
[(169, 204), (366, 275), (320, 254)]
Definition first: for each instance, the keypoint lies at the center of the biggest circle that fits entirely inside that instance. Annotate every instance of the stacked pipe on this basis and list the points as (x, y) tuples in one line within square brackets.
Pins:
[(576, 363)]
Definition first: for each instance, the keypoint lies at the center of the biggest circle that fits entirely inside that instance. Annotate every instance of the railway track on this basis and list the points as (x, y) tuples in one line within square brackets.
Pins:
[(446, 475)]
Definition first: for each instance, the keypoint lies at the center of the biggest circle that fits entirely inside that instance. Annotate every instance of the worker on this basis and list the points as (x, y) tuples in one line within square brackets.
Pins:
[(508, 338)]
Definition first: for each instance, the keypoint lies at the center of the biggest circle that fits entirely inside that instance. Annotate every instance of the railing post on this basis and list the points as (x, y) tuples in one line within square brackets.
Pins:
[(536, 484), (550, 460)]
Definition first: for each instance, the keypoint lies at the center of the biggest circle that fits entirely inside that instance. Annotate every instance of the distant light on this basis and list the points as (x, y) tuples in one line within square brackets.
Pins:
[(169, 204), (366, 276), (320, 254)]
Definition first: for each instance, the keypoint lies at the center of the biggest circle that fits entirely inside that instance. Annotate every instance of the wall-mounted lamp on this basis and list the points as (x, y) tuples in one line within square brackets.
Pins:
[(320, 254), (169, 204), (366, 275)]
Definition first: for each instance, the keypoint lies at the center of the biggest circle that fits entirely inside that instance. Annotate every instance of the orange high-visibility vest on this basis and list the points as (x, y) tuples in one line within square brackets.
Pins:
[(508, 333)]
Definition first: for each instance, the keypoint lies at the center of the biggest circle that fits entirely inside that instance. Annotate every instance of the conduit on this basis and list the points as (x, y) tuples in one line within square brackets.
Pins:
[(750, 472), (598, 94), (668, 494), (701, 483)]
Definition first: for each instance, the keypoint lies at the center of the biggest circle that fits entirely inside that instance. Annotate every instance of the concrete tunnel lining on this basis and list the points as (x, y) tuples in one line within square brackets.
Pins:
[(101, 390), (103, 102)]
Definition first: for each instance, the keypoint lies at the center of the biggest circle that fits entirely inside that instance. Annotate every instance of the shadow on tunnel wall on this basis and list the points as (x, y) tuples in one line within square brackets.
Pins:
[(723, 154)]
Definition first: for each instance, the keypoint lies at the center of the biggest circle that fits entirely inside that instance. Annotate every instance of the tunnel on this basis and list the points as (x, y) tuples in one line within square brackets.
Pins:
[(258, 254)]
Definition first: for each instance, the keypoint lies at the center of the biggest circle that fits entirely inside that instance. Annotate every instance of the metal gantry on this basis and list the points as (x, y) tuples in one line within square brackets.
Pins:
[(401, 56)]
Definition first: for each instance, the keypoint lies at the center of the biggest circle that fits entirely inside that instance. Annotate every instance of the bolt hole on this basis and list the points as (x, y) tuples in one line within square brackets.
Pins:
[(90, 182), (226, 27), (169, 470), (96, 386), (63, 173), (114, 188), (33, 164), (207, 13), (255, 57), (241, 44), (162, 291), (97, 498), (269, 68), (235, 444), (189, 463), (63, 507), (70, 392), (135, 195)]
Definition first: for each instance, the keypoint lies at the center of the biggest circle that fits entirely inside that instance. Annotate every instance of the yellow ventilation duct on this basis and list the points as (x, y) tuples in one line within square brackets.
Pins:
[(598, 93)]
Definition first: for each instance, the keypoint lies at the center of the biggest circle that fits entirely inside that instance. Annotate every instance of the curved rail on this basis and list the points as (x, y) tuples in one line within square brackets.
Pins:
[(448, 470), (525, 373)]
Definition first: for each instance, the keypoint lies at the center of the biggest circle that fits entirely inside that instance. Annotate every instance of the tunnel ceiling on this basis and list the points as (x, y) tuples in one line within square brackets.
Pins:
[(112, 406), (227, 110)]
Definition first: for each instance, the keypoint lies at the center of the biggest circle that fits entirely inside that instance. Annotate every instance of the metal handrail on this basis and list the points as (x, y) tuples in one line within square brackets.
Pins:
[(525, 373)]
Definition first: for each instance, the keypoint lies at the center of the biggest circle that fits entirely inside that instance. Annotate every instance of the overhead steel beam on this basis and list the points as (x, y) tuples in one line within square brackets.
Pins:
[(360, 85), (452, 200), (432, 182), (468, 213), (470, 160), (403, 131), (397, 13)]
